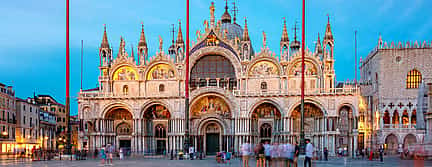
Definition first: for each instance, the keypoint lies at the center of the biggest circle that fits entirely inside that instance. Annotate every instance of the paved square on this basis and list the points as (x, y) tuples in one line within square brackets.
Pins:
[(210, 162)]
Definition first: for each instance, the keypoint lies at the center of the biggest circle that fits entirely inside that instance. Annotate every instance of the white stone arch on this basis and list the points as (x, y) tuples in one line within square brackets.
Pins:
[(151, 103), (114, 105), (309, 58), (314, 101), (264, 58), (114, 68), (216, 50), (262, 101), (348, 104), (204, 122), (406, 135), (157, 62)]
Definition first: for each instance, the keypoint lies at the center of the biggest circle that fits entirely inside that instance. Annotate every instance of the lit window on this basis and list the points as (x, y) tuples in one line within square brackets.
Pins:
[(413, 80)]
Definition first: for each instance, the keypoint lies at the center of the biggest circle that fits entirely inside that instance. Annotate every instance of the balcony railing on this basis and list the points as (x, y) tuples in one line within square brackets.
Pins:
[(264, 92)]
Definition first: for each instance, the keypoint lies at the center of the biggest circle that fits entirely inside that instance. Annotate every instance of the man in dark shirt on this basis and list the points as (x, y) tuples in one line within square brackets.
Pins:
[(296, 153)]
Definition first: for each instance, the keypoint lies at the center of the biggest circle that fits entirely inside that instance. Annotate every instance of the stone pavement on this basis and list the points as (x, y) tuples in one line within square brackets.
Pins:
[(132, 162)]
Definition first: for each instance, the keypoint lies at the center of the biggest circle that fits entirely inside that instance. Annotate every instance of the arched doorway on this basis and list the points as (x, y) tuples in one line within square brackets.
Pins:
[(212, 134), (409, 139), (313, 117), (265, 117), (155, 122), (391, 144), (121, 119), (211, 69), (345, 125)]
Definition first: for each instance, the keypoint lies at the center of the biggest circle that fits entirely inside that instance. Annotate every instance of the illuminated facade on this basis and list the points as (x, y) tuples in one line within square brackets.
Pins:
[(391, 75), (27, 130), (237, 94), (7, 119)]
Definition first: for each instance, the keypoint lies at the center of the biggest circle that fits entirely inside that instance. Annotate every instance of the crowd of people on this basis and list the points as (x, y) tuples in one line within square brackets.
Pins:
[(276, 154)]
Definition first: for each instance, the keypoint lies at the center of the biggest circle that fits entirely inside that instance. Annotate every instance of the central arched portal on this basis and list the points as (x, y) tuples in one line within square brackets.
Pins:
[(265, 122), (212, 133), (156, 121), (122, 121)]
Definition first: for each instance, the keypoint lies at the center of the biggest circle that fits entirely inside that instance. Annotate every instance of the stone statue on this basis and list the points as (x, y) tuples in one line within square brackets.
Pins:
[(264, 39), (160, 43)]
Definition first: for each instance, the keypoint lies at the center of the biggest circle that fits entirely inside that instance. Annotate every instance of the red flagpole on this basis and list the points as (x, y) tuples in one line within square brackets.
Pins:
[(186, 140), (68, 149), (302, 139)]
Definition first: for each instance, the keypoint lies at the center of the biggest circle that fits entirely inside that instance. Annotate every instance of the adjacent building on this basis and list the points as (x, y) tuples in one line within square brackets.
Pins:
[(237, 94), (391, 76), (8, 120), (27, 129)]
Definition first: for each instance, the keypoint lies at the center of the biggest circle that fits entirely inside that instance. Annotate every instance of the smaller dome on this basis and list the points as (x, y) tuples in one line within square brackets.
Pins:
[(226, 17), (234, 30)]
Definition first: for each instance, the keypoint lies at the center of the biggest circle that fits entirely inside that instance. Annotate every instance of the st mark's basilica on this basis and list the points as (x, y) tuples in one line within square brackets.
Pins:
[(237, 94)]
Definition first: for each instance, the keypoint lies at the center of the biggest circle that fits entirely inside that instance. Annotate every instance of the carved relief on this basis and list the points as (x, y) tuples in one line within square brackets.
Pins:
[(264, 68), (266, 110), (310, 69), (125, 73), (161, 71), (210, 105)]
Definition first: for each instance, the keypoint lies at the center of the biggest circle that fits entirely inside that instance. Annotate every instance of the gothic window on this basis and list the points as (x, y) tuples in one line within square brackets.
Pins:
[(264, 85), (405, 119), (414, 117), (125, 90), (160, 131), (386, 117), (265, 131), (124, 129), (395, 117), (161, 88), (413, 79)]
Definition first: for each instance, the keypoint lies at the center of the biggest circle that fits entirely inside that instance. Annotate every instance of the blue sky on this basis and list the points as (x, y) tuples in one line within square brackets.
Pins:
[(32, 33)]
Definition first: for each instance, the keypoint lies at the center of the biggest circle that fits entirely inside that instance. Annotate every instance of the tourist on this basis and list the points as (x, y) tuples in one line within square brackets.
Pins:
[(325, 154), (191, 152), (274, 153), (228, 157), (381, 154), (289, 154), (245, 150), (309, 153), (121, 154), (296, 154), (259, 153), (267, 153), (110, 150), (102, 156)]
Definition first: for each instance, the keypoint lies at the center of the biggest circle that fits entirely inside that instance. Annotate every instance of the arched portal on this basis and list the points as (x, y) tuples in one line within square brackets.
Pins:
[(121, 121), (409, 139), (265, 117), (311, 116), (155, 122), (212, 132), (213, 70), (345, 125), (391, 144)]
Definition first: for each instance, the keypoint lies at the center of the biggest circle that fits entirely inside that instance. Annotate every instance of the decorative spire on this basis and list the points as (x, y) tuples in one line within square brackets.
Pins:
[(264, 40), (212, 16), (132, 53), (284, 33), (122, 46), (142, 41), (226, 17), (318, 48), (328, 33), (105, 43), (246, 32), (160, 44), (295, 45), (179, 35)]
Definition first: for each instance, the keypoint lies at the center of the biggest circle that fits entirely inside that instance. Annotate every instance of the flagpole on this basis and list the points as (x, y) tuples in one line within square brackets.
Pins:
[(68, 148), (302, 135), (186, 140)]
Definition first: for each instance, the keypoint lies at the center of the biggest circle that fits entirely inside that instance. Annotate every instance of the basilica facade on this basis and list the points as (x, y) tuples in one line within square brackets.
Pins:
[(237, 94)]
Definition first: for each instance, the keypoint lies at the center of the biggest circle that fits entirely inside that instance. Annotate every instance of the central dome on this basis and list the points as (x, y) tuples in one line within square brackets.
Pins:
[(234, 30)]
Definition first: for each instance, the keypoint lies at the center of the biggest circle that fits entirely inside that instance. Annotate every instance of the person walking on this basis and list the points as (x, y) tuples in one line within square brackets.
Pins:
[(259, 152), (102, 156), (267, 153), (381, 154), (325, 154), (274, 152), (121, 154), (309, 153), (228, 157), (245, 150), (296, 154), (110, 150)]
